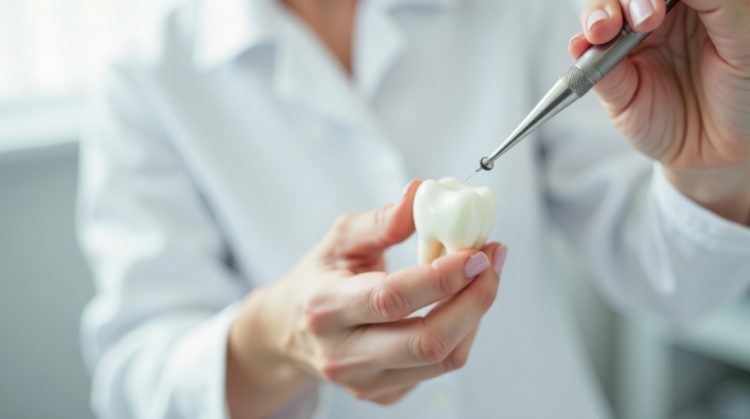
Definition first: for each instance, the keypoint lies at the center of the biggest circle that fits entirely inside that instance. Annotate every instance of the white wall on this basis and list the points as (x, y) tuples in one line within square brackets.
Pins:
[(596, 322), (43, 286)]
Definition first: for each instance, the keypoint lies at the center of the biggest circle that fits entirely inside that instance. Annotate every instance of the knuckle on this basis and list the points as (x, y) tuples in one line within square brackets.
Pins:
[(328, 371), (342, 223), (316, 314), (484, 297), (429, 347), (387, 230), (343, 220), (388, 400), (380, 216), (388, 304), (332, 371), (360, 394), (445, 283), (456, 360)]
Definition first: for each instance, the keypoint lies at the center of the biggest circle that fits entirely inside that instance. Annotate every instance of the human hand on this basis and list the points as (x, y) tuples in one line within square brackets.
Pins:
[(339, 317), (683, 96)]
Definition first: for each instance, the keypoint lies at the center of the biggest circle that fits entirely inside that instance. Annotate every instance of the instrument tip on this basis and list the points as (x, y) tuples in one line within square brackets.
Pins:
[(471, 175)]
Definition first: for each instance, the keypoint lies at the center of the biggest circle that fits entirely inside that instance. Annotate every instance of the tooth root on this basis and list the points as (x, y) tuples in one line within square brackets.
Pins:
[(429, 250), (451, 249), (481, 240)]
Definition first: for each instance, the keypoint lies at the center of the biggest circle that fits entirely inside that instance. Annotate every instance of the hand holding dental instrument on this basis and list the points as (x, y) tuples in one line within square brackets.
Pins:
[(575, 82)]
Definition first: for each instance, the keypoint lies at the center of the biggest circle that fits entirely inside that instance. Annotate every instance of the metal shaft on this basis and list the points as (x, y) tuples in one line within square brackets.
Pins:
[(577, 80)]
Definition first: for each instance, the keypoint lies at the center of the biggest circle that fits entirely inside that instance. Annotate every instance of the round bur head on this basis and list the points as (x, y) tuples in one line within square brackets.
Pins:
[(486, 163)]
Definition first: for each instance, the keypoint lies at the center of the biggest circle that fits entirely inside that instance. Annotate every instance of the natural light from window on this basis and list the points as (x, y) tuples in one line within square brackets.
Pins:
[(49, 49)]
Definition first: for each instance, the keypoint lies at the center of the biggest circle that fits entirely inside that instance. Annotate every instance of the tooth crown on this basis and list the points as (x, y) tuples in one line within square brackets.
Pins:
[(451, 216)]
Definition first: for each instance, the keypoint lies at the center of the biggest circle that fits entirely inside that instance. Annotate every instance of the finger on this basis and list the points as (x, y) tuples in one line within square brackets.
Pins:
[(448, 324), (390, 381), (401, 293), (728, 25), (578, 45), (418, 341), (617, 90), (644, 15), (393, 397), (365, 233), (378, 297), (601, 20)]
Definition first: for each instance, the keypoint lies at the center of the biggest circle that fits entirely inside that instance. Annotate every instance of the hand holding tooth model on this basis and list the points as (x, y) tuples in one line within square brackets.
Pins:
[(338, 316)]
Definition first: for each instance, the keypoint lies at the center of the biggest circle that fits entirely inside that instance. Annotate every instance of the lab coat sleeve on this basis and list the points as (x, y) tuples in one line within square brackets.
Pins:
[(154, 336), (650, 248)]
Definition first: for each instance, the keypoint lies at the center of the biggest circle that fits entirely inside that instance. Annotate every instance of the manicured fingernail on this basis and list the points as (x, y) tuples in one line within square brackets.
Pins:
[(595, 17), (640, 10), (499, 260), (476, 264)]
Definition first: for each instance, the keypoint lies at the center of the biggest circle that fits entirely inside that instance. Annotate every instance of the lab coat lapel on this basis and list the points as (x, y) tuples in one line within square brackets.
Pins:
[(225, 29), (380, 42), (307, 76)]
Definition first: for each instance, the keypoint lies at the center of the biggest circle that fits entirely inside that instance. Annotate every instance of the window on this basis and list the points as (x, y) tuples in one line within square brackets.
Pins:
[(48, 51)]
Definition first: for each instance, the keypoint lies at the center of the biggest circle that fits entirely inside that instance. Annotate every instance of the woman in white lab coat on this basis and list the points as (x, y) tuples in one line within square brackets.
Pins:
[(224, 147)]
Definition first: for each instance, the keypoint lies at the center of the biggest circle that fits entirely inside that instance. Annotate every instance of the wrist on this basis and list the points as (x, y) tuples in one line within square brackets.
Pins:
[(263, 332), (260, 377), (723, 190)]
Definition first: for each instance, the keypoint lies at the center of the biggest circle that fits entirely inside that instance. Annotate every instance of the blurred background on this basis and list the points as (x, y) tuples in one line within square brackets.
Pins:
[(49, 52)]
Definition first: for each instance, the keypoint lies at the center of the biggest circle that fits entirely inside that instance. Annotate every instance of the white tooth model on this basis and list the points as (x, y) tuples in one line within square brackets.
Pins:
[(451, 216)]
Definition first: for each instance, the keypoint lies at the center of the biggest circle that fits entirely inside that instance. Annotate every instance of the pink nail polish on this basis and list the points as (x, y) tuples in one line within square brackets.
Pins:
[(500, 255), (476, 264), (595, 17), (640, 11)]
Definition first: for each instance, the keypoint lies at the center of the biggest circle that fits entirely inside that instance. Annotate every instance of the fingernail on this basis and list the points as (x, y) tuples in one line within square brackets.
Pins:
[(640, 10), (476, 264), (574, 38), (499, 260), (595, 16)]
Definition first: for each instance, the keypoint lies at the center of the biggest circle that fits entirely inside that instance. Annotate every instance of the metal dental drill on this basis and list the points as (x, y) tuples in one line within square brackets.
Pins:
[(582, 75)]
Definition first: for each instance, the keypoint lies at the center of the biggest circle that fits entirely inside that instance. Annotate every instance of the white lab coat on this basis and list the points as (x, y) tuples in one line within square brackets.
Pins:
[(223, 148)]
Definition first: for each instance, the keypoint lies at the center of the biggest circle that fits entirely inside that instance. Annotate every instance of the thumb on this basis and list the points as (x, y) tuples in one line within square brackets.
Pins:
[(727, 23), (602, 20), (618, 88), (376, 230)]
